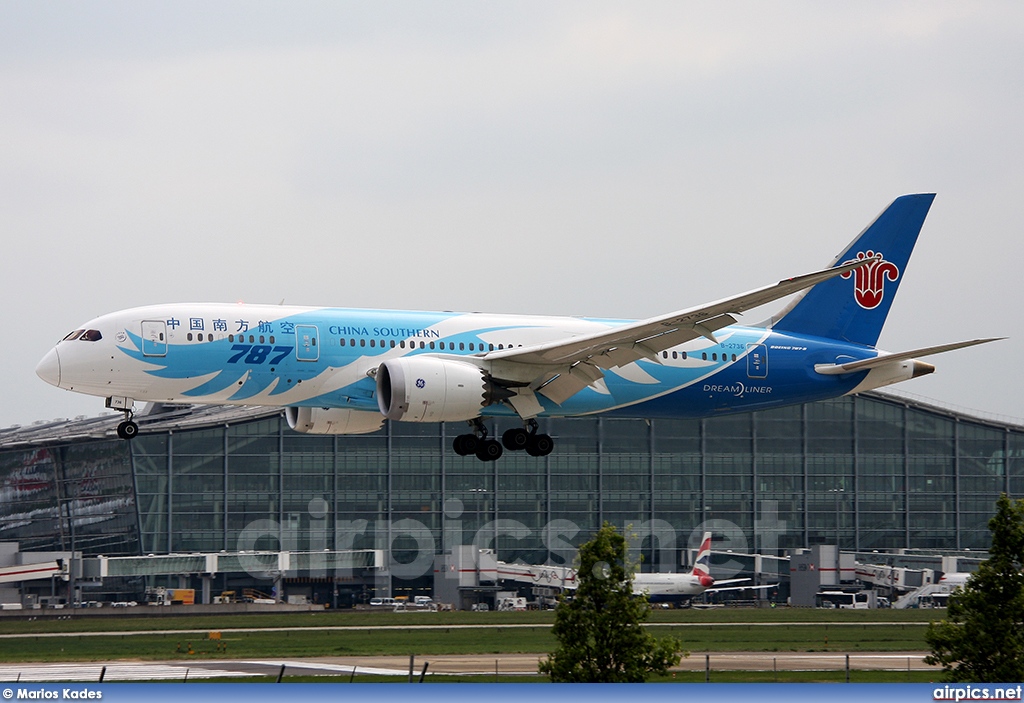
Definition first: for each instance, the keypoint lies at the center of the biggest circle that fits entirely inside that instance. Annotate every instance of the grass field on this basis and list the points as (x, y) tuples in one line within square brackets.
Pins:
[(139, 620), (389, 633)]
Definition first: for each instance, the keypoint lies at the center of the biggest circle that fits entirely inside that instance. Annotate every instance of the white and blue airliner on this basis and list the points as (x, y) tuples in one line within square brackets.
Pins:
[(346, 371)]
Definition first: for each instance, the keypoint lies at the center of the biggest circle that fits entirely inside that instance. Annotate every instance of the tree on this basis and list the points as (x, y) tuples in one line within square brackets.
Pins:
[(982, 638), (599, 627)]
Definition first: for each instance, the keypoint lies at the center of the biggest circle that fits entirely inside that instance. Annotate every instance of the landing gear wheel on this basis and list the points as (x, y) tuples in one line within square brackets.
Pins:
[(127, 429), (465, 444), (515, 439), (489, 450), (540, 445)]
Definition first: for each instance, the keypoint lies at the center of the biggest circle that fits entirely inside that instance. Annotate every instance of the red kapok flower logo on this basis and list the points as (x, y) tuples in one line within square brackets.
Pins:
[(869, 280)]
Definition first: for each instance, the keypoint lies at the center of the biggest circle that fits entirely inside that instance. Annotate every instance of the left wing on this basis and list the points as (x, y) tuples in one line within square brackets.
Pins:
[(559, 370)]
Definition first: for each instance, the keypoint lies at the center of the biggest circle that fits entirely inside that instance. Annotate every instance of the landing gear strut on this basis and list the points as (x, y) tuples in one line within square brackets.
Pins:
[(477, 443)]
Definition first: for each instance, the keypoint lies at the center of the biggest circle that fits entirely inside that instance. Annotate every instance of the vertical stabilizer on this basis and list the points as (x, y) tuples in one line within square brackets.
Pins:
[(853, 307), (702, 566)]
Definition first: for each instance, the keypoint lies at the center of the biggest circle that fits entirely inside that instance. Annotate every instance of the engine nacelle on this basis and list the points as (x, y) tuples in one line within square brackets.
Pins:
[(428, 389), (333, 420)]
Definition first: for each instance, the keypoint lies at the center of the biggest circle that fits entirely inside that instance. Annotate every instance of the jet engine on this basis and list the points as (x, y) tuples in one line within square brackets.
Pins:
[(429, 389), (333, 420)]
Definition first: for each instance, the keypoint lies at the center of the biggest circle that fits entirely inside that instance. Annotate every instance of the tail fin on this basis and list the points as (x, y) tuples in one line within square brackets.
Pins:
[(702, 565), (853, 307)]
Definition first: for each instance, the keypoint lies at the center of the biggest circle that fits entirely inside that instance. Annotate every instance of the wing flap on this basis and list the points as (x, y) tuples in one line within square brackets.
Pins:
[(562, 387)]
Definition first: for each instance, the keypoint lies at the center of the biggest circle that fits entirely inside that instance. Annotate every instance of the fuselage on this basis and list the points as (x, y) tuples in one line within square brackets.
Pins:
[(326, 357)]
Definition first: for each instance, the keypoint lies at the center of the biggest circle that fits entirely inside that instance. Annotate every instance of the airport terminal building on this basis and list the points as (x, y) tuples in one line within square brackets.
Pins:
[(867, 472)]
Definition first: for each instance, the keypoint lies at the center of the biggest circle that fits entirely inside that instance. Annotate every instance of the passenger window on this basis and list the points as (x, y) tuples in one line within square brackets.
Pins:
[(442, 346), (675, 355), (471, 345), (704, 356), (373, 342), (341, 342), (392, 344), (462, 346), (188, 336)]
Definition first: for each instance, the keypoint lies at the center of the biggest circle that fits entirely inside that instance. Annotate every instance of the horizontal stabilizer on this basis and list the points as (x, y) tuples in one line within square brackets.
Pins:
[(883, 359), (744, 588)]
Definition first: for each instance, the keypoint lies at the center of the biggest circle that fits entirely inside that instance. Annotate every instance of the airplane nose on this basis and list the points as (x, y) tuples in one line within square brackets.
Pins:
[(49, 368)]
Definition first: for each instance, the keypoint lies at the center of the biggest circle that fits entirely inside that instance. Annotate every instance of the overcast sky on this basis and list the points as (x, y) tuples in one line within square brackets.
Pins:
[(605, 159)]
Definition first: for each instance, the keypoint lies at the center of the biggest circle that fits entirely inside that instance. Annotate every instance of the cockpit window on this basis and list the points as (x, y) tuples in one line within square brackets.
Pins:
[(91, 336), (73, 335)]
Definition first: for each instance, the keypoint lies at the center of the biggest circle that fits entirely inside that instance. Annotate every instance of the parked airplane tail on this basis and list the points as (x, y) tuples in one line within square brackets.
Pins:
[(702, 566), (853, 306)]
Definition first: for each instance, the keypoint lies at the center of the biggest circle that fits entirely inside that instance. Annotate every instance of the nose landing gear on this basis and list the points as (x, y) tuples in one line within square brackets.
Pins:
[(127, 429)]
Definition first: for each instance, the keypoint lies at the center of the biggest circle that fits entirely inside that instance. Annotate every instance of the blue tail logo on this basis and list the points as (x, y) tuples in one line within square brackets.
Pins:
[(869, 281)]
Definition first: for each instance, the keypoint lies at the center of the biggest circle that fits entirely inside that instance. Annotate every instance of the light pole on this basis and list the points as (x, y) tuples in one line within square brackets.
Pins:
[(839, 568), (836, 492), (479, 495)]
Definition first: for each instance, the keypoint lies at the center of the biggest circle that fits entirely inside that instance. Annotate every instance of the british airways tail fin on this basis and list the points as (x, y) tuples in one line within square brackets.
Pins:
[(853, 306), (702, 565)]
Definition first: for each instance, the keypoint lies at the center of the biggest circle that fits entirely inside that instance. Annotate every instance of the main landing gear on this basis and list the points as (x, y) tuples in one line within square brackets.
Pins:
[(515, 439), (528, 438), (477, 443)]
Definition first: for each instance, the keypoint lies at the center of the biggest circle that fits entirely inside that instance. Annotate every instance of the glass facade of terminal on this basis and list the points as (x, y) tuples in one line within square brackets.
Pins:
[(867, 472)]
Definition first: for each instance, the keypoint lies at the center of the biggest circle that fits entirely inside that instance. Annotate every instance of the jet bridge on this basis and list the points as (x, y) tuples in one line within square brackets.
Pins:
[(31, 572)]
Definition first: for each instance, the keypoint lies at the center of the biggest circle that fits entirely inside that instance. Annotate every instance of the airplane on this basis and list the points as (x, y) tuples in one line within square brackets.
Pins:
[(954, 580), (346, 371), (699, 580)]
